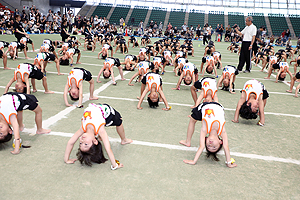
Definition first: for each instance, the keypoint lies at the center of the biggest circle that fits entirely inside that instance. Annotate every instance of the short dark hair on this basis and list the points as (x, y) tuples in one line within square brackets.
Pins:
[(152, 104), (72, 98), (213, 154), (94, 154), (6, 138), (106, 77), (246, 111), (209, 72), (186, 82)]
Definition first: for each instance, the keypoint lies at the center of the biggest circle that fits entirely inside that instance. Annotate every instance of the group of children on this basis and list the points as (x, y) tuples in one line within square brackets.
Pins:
[(150, 65)]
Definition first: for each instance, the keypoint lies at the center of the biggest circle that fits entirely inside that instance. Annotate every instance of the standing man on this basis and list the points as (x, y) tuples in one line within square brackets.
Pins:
[(249, 33)]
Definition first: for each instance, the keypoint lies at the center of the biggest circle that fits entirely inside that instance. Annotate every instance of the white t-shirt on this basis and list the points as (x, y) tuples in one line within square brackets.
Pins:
[(249, 32)]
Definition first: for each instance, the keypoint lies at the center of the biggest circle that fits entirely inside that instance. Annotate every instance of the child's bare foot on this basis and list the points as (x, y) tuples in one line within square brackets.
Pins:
[(93, 98), (7, 68), (49, 92), (123, 79), (43, 131), (78, 62), (34, 91), (138, 97), (267, 78), (27, 58), (193, 106), (99, 81), (296, 96), (290, 91), (126, 141), (60, 74), (261, 70), (183, 142)]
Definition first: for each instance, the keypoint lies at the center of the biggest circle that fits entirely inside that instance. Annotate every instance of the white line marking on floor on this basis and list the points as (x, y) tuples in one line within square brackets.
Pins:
[(193, 149)]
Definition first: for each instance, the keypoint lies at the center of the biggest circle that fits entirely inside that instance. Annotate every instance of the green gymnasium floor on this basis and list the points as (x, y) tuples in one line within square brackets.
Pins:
[(267, 157)]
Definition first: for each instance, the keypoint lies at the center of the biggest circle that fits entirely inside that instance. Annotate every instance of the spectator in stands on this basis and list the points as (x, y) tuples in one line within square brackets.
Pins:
[(248, 33), (17, 12), (160, 27), (221, 30), (49, 16), (169, 26), (287, 33), (151, 24), (283, 34), (184, 28), (217, 32), (24, 15), (32, 15)]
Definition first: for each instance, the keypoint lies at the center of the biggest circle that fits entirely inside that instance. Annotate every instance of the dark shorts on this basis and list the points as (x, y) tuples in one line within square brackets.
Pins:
[(198, 85), (114, 120), (27, 101), (297, 75), (265, 94), (1, 53), (36, 73)]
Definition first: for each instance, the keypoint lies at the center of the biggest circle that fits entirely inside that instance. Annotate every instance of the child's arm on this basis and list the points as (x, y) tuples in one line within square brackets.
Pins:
[(100, 72), (216, 98), (162, 95), (277, 76), (199, 99), (226, 150), (70, 146), (80, 95), (178, 83), (238, 107), (220, 81), (146, 90), (109, 152), (261, 108), (9, 84), (27, 83), (200, 149), (112, 75), (66, 95), (231, 84), (15, 125)]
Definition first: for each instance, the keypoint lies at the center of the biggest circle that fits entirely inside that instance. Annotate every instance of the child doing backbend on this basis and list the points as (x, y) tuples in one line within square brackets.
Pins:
[(209, 66), (213, 134), (104, 51), (108, 71), (208, 87), (22, 74), (152, 83), (295, 78), (74, 86), (41, 60), (283, 70), (129, 62), (296, 60), (189, 75), (227, 79), (253, 100), (11, 114), (143, 68), (95, 117)]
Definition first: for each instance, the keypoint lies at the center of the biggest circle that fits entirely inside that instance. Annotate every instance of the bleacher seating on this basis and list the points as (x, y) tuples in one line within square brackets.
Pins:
[(118, 13), (102, 11), (158, 16), (278, 25), (195, 19), (138, 15), (177, 19), (259, 21), (215, 19), (236, 19), (296, 25), (5, 8)]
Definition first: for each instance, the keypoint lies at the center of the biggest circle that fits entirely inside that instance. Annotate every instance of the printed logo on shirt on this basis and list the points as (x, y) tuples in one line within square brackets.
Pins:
[(71, 72), (150, 78), (87, 114), (248, 87), (209, 112), (206, 84)]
